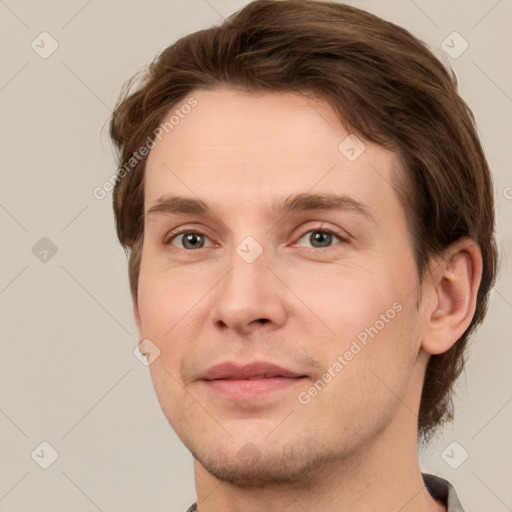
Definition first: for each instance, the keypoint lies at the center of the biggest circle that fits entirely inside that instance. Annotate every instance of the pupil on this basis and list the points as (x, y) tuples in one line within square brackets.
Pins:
[(321, 238), (193, 240)]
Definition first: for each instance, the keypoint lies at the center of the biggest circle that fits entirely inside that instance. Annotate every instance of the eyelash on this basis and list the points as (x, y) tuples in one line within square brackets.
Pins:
[(173, 234)]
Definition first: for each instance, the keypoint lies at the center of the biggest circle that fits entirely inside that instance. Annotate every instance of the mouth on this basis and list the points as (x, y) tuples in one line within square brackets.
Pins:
[(249, 382)]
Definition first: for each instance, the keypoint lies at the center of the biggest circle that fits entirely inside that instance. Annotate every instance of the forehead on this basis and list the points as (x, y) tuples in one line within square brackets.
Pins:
[(241, 124), (246, 148)]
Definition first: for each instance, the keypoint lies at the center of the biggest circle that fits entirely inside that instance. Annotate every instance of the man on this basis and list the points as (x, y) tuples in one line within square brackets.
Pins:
[(309, 217)]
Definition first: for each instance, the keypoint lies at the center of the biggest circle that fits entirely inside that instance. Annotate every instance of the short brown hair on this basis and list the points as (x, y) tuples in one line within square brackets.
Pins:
[(385, 85)]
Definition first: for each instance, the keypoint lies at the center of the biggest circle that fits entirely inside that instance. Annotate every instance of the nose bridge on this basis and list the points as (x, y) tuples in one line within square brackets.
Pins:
[(248, 268), (249, 292)]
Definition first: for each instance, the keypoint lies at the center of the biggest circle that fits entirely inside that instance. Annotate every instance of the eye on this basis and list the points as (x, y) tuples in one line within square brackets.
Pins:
[(319, 238), (191, 240), (187, 239)]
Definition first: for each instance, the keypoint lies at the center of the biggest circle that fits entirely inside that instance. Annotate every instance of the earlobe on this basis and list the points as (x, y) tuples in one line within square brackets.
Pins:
[(454, 285)]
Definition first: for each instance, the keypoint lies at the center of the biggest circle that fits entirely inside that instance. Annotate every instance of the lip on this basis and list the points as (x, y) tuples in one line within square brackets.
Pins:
[(249, 382), (260, 369)]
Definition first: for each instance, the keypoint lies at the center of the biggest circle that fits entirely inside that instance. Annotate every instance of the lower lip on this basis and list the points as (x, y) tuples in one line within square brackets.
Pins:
[(250, 389)]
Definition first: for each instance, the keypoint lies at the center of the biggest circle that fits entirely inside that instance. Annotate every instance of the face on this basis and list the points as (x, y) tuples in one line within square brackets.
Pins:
[(278, 282)]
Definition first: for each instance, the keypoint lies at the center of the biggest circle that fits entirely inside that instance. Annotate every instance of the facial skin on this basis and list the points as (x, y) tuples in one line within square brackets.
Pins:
[(300, 304)]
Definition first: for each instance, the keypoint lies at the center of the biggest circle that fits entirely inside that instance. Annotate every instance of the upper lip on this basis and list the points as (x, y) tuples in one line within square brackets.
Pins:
[(254, 370)]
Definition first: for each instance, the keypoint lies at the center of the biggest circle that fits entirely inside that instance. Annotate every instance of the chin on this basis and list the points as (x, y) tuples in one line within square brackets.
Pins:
[(251, 466)]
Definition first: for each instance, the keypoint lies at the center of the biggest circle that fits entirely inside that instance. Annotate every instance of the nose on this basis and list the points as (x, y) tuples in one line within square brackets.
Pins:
[(250, 297)]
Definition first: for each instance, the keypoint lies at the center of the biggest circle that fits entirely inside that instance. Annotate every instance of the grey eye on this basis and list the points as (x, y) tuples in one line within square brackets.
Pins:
[(318, 238), (191, 240)]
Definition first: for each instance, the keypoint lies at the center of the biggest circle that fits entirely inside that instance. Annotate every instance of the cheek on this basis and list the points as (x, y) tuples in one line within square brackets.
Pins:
[(155, 306), (171, 311), (372, 327), (165, 299), (348, 299), (371, 371), (163, 310)]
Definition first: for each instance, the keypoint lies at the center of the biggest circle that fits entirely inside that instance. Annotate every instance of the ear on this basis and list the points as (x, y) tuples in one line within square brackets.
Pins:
[(453, 287), (136, 316)]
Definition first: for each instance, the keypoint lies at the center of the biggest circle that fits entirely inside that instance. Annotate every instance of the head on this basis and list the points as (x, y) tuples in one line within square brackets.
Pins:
[(237, 118)]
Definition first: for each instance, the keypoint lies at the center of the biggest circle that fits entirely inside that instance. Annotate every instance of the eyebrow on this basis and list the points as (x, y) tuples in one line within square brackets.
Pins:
[(279, 208)]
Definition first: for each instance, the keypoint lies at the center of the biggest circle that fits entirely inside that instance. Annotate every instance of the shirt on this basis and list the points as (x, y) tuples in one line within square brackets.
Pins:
[(439, 488), (443, 491)]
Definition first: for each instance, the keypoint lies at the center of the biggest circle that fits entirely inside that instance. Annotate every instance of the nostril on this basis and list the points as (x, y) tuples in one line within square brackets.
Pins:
[(263, 320)]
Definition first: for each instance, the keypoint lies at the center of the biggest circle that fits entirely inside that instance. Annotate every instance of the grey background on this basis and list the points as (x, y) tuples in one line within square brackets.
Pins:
[(68, 375)]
